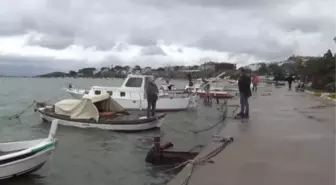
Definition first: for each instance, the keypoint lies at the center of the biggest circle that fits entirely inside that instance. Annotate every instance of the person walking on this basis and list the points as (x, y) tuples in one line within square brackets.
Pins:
[(255, 82), (152, 92), (244, 85), (290, 79)]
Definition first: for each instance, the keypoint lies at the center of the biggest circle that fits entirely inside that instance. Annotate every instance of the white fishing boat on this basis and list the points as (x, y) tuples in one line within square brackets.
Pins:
[(215, 92), (98, 111), (23, 157), (131, 95), (76, 93)]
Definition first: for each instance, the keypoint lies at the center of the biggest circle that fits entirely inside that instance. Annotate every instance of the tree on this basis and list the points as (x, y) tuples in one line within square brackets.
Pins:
[(118, 68), (72, 73), (87, 71), (137, 67), (275, 69), (104, 68), (328, 54), (176, 68), (160, 69), (262, 70), (127, 68)]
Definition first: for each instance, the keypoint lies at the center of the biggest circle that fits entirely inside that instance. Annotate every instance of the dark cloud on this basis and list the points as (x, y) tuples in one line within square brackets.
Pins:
[(262, 46), (237, 27), (50, 41), (152, 50)]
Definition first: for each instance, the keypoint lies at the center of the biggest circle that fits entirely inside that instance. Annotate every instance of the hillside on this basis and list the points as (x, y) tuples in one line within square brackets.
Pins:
[(53, 74)]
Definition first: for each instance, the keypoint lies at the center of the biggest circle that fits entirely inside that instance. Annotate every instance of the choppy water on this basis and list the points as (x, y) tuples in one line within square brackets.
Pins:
[(89, 156)]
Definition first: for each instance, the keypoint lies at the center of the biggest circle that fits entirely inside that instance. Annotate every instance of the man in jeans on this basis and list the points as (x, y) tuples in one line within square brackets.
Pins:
[(244, 85), (152, 96)]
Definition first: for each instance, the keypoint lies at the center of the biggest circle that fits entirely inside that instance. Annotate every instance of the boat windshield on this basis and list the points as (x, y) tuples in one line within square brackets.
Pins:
[(134, 82)]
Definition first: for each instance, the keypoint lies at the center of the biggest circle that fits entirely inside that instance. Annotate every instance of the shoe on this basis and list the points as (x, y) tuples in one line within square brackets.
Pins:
[(246, 116), (239, 115)]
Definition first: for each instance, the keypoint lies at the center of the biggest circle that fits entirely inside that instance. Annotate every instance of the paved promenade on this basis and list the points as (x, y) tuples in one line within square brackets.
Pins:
[(289, 140)]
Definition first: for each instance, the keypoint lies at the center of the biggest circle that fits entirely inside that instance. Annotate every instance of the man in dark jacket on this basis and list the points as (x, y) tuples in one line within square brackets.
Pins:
[(190, 80), (290, 79), (152, 92), (244, 85)]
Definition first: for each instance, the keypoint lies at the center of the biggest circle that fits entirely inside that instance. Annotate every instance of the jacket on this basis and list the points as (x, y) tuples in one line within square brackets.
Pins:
[(290, 79), (244, 85), (152, 90), (255, 79)]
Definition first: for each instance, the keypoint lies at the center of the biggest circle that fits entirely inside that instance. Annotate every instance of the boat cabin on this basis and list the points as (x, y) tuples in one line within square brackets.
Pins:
[(133, 87)]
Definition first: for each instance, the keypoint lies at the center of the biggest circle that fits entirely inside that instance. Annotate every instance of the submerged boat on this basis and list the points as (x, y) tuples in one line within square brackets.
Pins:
[(98, 111), (131, 95), (23, 157), (215, 92)]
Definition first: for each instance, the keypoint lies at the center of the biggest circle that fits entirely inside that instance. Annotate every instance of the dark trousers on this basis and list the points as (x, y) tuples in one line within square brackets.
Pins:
[(254, 88), (290, 85), (244, 104), (151, 106)]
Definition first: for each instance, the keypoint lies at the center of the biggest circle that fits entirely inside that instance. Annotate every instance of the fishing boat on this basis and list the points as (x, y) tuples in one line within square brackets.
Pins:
[(215, 92), (131, 95), (76, 93), (99, 111), (24, 157)]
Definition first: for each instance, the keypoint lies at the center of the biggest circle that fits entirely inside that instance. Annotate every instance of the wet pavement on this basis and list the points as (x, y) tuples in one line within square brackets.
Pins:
[(289, 140)]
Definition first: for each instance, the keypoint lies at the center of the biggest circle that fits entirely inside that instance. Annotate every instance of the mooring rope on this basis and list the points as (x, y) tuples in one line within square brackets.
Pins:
[(17, 115)]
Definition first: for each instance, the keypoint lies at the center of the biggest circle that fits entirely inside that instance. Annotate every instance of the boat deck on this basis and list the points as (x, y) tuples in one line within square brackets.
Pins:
[(289, 139)]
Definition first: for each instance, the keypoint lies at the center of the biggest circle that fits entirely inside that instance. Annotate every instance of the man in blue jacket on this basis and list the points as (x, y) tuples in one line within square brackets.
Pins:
[(244, 85), (152, 92)]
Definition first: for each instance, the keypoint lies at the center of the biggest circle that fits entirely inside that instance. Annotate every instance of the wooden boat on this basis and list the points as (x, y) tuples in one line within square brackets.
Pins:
[(98, 111), (23, 157)]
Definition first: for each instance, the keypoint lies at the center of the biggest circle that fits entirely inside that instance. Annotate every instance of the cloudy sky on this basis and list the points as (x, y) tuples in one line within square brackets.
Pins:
[(70, 34)]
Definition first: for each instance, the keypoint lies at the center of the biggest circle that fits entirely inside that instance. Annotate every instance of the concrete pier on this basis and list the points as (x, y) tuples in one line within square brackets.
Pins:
[(289, 140)]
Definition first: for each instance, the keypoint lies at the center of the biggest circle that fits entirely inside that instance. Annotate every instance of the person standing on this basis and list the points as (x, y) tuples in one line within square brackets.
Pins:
[(244, 85), (152, 92), (206, 87), (190, 80), (290, 79), (255, 82)]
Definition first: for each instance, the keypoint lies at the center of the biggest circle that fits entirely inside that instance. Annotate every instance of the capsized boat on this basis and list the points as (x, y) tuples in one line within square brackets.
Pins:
[(23, 157), (131, 95), (98, 111)]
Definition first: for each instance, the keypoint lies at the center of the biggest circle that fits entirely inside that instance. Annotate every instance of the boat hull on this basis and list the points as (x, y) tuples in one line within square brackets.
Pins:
[(117, 127), (136, 102), (216, 94), (162, 104), (25, 165)]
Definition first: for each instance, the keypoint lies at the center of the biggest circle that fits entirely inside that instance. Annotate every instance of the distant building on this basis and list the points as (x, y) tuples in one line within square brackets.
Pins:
[(208, 66)]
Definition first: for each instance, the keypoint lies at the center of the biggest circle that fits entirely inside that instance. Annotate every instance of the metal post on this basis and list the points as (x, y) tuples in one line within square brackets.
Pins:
[(157, 145)]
